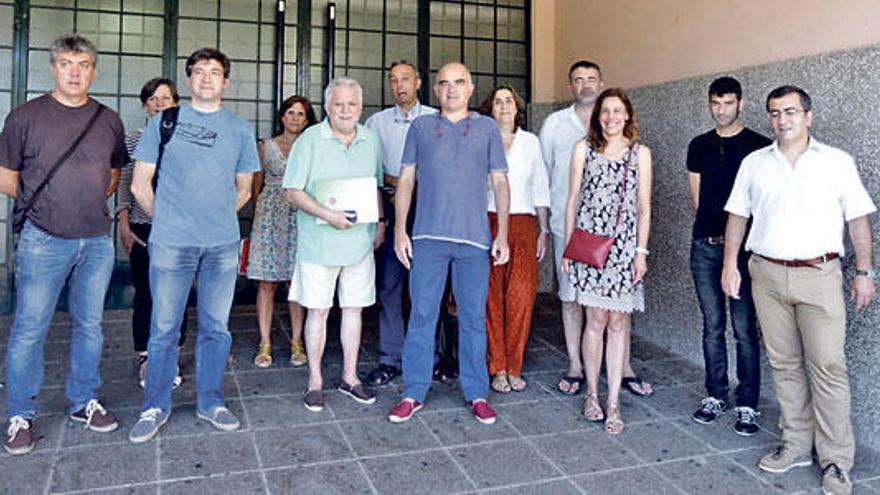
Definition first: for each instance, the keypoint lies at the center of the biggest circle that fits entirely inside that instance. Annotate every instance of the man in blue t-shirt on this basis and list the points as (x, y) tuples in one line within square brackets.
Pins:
[(206, 173), (450, 153)]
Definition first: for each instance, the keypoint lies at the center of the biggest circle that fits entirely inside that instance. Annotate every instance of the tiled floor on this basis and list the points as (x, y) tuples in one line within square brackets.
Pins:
[(539, 445)]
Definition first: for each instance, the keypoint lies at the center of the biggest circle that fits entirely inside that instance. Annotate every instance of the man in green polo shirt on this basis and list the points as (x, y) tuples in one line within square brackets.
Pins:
[(333, 245)]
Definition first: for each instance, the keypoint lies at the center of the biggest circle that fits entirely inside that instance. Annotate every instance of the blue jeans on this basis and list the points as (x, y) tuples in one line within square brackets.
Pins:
[(171, 274), (707, 261), (43, 263), (470, 285)]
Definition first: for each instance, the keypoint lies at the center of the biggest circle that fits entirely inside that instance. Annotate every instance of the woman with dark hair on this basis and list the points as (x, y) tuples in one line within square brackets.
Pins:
[(273, 235), (157, 94), (513, 286), (610, 195)]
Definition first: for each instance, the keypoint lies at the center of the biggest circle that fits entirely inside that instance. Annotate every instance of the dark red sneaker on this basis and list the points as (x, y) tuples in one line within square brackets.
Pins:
[(482, 411), (404, 410), (20, 436), (95, 417)]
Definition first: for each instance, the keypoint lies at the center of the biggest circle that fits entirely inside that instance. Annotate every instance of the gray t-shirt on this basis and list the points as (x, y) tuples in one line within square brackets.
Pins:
[(195, 196), (74, 203), (452, 161)]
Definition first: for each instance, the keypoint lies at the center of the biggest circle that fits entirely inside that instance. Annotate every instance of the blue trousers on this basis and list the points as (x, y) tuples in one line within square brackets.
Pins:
[(707, 261), (43, 263), (431, 262)]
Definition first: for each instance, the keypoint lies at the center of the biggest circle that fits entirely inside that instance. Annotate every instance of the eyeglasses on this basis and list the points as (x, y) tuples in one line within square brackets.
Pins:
[(788, 112)]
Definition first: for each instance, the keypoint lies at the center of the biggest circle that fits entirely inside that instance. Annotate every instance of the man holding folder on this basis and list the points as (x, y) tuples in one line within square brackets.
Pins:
[(332, 177)]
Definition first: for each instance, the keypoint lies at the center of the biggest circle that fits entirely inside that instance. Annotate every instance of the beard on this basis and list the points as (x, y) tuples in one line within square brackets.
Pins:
[(586, 97)]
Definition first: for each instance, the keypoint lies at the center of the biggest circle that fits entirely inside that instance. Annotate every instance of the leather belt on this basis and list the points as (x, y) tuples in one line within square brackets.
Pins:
[(809, 263)]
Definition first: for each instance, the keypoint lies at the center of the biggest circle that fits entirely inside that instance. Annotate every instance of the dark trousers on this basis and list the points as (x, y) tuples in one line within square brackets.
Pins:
[(143, 302), (706, 264)]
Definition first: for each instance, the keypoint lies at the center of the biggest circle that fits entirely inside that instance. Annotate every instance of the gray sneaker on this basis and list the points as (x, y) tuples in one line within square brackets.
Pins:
[(835, 481), (782, 460), (147, 426), (221, 418)]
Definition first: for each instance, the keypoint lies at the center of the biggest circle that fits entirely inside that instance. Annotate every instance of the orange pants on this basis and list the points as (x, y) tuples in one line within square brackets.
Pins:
[(512, 290)]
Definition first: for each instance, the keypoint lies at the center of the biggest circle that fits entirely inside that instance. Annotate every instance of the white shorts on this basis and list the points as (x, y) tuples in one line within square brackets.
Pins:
[(566, 289), (313, 285)]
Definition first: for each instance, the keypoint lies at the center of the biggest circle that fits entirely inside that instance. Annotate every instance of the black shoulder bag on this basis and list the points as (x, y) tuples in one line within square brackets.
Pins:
[(19, 213), (166, 129)]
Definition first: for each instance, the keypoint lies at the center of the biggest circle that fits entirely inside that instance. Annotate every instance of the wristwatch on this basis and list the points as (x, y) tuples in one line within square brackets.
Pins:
[(871, 274)]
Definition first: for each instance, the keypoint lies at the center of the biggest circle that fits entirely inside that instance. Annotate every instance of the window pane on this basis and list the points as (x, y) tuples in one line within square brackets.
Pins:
[(365, 14), (132, 113), (238, 40), (100, 29), (289, 44), (245, 10), (47, 24), (267, 42), (266, 77), (192, 35), (445, 18), (107, 76), (52, 3), (479, 55), (399, 47), (243, 81), (444, 50), (365, 49), (137, 71), (5, 71), (7, 12), (99, 4), (479, 21), (289, 80), (512, 58), (141, 34), (371, 82), (39, 79), (511, 24), (402, 15), (199, 8)]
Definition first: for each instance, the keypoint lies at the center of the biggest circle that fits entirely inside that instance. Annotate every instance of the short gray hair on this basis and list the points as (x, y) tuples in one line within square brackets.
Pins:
[(72, 43), (342, 81)]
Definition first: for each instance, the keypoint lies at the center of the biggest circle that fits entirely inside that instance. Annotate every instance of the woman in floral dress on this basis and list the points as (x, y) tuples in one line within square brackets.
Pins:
[(610, 195), (273, 236)]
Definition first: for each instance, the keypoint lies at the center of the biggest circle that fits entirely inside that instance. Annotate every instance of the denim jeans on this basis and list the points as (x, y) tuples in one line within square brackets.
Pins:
[(470, 285), (707, 261), (391, 279), (171, 274), (43, 263)]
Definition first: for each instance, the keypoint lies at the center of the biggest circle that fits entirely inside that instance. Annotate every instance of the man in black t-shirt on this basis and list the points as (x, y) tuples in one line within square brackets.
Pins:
[(64, 235), (713, 160)]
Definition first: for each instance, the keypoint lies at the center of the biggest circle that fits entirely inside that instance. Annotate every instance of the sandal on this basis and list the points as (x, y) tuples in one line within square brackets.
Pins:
[(517, 384), (264, 356), (592, 410), (636, 386), (500, 383), (613, 422), (298, 353), (574, 384)]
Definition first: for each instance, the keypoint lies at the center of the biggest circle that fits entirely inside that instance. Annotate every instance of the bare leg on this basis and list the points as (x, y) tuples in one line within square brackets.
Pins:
[(265, 307), (618, 328), (316, 338), (572, 326), (297, 317), (593, 343), (350, 334)]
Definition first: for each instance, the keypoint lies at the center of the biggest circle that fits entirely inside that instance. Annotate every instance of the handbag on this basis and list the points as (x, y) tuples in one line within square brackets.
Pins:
[(591, 249), (244, 251), (20, 210)]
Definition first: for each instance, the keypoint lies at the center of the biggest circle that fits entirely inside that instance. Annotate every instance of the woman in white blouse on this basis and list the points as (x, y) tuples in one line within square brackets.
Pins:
[(513, 286)]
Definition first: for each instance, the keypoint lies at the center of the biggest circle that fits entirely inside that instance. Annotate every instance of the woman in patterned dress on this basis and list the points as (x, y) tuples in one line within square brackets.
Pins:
[(273, 236), (608, 165)]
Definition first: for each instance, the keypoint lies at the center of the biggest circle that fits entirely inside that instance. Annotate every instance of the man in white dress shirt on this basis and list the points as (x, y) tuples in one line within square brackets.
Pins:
[(798, 193)]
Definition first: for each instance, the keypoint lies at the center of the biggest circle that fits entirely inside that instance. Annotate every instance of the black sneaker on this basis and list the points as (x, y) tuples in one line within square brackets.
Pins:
[(746, 421), (710, 409), (382, 374)]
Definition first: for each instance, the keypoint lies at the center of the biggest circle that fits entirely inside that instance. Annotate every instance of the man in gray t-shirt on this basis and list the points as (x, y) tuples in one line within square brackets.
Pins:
[(204, 178), (65, 234), (451, 153)]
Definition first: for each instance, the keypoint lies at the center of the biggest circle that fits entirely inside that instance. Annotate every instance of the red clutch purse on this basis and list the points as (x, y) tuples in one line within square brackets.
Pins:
[(587, 248), (244, 254)]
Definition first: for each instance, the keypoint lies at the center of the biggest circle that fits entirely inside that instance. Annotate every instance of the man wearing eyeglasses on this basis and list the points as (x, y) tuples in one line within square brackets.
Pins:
[(391, 126), (712, 162), (798, 193), (451, 152)]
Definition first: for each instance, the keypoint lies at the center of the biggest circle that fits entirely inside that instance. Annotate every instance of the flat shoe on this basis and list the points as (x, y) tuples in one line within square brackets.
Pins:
[(592, 410), (574, 384), (613, 422), (499, 383), (636, 386)]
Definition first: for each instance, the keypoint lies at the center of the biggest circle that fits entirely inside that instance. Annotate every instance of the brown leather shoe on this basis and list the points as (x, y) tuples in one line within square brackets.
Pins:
[(20, 436), (95, 417)]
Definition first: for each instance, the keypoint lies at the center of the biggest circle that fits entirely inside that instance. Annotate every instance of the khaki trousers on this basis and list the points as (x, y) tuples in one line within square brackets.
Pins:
[(803, 319)]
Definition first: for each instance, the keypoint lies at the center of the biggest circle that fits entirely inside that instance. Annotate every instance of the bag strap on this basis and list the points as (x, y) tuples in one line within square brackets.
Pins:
[(623, 190), (166, 129), (70, 149)]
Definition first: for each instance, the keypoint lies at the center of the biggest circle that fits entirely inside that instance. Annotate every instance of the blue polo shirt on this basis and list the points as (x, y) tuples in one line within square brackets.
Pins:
[(453, 160)]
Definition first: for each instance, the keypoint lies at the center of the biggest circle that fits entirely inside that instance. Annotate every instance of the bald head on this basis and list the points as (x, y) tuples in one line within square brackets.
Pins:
[(453, 87)]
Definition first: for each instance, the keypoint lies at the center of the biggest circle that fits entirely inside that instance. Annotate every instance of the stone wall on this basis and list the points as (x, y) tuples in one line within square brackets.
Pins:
[(845, 87)]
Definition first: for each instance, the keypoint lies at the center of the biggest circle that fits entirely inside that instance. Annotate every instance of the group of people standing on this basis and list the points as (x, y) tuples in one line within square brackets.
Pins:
[(467, 196)]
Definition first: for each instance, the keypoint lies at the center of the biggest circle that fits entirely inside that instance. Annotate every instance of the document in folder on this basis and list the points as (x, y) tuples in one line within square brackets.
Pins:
[(354, 196)]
